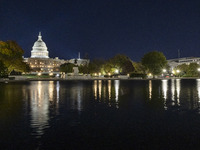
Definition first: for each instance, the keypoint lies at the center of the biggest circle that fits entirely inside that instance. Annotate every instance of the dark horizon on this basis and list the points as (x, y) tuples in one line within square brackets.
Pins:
[(103, 28)]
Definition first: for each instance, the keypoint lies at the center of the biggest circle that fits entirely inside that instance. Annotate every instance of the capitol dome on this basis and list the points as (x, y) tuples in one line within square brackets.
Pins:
[(39, 49)]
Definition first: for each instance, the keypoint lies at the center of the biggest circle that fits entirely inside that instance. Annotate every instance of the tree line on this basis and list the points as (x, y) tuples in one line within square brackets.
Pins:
[(153, 62), (121, 64)]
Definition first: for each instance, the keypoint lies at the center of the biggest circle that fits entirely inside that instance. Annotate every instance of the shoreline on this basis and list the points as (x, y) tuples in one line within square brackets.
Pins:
[(91, 79)]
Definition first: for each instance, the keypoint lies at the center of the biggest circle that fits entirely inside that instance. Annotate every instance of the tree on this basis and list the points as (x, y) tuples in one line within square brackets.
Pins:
[(11, 56), (119, 62), (193, 70), (3, 70), (107, 67), (190, 70), (183, 68), (67, 67), (154, 62), (96, 65), (139, 68), (83, 69)]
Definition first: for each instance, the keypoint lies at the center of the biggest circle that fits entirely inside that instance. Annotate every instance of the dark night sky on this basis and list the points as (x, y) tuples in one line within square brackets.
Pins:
[(103, 28)]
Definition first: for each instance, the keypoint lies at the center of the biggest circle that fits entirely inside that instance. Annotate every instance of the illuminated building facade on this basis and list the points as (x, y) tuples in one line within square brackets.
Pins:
[(40, 61), (173, 63)]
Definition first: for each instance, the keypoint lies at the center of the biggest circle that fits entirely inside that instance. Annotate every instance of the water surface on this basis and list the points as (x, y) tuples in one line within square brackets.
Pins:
[(100, 114)]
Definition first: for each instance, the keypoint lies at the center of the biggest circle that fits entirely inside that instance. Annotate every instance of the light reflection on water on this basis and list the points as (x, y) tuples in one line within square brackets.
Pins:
[(198, 89), (95, 89), (176, 94), (178, 89), (41, 95), (100, 89), (44, 111), (150, 89), (173, 86), (58, 91), (45, 93), (169, 90), (76, 96), (39, 102), (164, 90), (107, 90)]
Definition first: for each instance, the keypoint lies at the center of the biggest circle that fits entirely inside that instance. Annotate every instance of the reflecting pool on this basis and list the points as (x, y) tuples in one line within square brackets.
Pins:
[(100, 114)]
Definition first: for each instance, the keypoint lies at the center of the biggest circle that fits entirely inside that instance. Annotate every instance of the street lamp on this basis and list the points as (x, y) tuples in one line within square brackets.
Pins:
[(117, 71), (149, 75)]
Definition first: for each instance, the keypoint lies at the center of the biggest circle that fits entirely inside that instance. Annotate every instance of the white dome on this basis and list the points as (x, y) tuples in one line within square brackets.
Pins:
[(39, 49), (39, 43)]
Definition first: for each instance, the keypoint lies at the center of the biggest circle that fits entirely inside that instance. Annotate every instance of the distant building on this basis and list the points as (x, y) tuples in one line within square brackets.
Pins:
[(40, 61), (78, 61), (173, 63)]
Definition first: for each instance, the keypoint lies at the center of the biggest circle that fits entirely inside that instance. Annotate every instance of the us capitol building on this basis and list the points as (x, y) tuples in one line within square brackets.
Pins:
[(41, 63)]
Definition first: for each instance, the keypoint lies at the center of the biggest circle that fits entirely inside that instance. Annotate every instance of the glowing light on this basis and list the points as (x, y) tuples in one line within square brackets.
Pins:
[(51, 74), (39, 74), (99, 73), (149, 74), (198, 69), (177, 71), (164, 70), (109, 74), (116, 71)]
